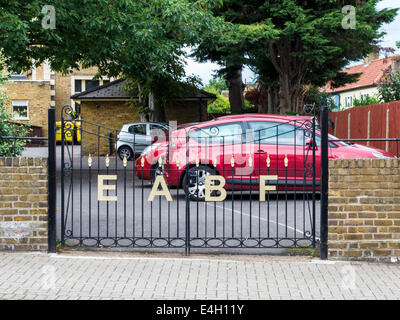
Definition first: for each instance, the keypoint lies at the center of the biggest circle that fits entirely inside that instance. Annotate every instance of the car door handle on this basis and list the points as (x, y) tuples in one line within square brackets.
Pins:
[(260, 152)]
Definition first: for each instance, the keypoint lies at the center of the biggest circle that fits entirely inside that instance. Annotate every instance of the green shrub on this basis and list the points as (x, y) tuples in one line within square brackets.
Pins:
[(389, 86), (366, 100), (220, 105)]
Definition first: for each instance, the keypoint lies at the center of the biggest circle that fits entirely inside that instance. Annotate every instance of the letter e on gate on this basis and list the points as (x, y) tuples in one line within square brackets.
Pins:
[(101, 187)]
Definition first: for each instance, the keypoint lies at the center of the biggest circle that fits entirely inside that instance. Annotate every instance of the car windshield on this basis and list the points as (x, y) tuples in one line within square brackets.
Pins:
[(336, 140)]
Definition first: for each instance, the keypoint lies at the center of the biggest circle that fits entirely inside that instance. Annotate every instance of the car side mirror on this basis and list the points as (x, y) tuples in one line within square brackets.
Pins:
[(309, 144)]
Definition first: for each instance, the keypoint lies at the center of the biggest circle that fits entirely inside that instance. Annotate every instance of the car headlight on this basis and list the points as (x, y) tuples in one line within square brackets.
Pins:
[(150, 149), (380, 155)]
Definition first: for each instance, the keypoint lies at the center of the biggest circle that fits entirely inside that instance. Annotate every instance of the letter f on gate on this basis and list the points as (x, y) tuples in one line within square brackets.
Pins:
[(264, 188)]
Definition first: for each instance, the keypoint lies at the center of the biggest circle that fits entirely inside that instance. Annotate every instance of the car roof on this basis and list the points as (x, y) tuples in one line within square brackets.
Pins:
[(266, 116), (243, 117), (136, 123)]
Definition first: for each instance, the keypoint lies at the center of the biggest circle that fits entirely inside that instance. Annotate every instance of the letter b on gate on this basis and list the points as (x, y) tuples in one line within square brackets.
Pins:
[(219, 187)]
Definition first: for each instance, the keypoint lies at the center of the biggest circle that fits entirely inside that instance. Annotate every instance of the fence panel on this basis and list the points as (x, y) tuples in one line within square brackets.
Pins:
[(382, 125)]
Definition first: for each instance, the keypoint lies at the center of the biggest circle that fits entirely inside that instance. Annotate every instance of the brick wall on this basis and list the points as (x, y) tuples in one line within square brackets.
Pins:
[(108, 114), (364, 209), (23, 204), (186, 111), (63, 87)]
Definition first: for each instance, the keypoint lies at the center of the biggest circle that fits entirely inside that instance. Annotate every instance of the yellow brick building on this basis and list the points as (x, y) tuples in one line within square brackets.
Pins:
[(111, 107), (31, 93)]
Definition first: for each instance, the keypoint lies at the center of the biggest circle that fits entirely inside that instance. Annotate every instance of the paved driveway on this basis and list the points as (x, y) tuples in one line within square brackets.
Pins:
[(66, 276)]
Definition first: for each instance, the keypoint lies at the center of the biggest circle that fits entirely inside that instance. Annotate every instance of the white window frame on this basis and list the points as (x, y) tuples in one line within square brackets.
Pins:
[(20, 103), (346, 104), (84, 78)]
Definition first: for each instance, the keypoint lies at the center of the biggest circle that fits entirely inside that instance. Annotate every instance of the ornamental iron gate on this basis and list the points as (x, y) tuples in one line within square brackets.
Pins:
[(232, 182)]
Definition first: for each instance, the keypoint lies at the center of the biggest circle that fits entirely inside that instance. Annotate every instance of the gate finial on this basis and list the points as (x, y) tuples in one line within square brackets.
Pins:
[(125, 162), (90, 161)]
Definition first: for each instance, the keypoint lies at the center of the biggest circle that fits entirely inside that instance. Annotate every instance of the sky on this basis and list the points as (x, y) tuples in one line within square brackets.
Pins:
[(206, 70)]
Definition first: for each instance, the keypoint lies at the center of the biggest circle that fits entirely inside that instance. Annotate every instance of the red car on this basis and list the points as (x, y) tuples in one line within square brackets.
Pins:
[(241, 148), (147, 165)]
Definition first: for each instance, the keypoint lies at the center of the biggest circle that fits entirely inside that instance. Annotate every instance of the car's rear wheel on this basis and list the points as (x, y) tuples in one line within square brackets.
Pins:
[(125, 151), (194, 182)]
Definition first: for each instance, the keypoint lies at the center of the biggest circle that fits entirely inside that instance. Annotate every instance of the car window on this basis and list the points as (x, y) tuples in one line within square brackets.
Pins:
[(223, 133), (266, 132), (158, 127), (138, 129), (158, 133)]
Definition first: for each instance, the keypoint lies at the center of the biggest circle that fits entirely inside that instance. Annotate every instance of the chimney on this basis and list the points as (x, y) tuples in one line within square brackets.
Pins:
[(374, 55), (396, 63)]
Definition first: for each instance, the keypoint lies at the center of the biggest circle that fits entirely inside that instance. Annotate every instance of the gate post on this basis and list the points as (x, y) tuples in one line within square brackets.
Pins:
[(324, 183), (52, 182)]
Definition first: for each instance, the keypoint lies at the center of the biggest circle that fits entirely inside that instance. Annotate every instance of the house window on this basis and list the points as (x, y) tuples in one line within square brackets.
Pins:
[(78, 86), (20, 109), (90, 84), (348, 102)]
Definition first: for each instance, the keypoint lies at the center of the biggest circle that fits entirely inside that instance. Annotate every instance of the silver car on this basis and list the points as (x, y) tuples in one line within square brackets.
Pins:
[(135, 137)]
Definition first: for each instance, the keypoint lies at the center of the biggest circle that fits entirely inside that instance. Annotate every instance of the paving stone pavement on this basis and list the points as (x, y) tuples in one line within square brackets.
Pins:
[(69, 276)]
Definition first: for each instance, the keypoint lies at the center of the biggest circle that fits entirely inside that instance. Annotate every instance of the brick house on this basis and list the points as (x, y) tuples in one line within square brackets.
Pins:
[(108, 106), (31, 93), (372, 71)]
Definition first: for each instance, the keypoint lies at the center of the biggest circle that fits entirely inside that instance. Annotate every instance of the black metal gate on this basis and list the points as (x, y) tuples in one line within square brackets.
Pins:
[(159, 199)]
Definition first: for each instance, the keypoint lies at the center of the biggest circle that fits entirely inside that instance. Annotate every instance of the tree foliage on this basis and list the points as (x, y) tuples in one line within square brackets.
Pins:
[(312, 47), (289, 43), (313, 95), (218, 83), (294, 43), (230, 45), (140, 40)]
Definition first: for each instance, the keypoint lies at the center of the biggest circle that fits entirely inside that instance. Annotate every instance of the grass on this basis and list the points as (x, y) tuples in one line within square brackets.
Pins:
[(310, 252)]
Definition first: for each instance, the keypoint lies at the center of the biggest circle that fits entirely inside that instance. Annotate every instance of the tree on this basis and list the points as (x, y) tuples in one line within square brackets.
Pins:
[(217, 83), (220, 105), (139, 40), (311, 45), (229, 46)]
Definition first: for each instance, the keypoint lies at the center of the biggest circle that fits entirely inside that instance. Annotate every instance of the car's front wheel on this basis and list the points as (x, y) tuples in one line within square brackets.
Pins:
[(194, 182), (125, 151)]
